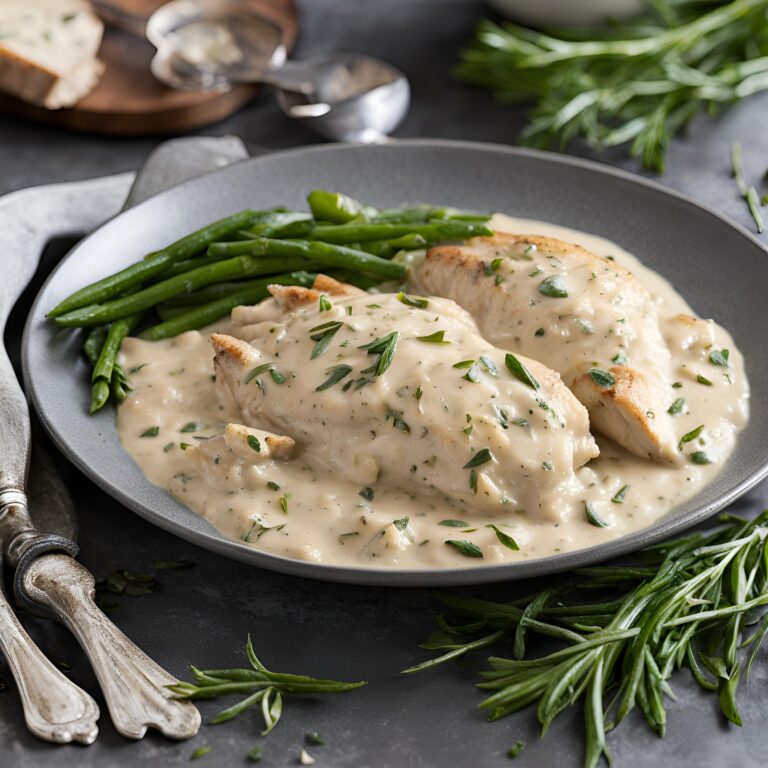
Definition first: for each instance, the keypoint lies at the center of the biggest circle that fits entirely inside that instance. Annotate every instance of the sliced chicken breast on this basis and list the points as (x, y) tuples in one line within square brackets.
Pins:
[(403, 391), (581, 314)]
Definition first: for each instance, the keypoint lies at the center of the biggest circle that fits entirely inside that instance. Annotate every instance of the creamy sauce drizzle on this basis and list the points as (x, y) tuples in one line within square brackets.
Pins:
[(295, 509)]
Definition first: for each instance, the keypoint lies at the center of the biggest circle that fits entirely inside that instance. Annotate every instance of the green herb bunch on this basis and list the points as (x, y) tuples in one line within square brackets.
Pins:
[(264, 688), (640, 82), (699, 603)]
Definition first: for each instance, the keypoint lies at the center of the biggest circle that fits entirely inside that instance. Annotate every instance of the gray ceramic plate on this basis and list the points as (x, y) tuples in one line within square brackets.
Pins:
[(716, 265)]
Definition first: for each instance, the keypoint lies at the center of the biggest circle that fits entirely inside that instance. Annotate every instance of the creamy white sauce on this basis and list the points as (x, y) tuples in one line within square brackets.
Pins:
[(298, 509)]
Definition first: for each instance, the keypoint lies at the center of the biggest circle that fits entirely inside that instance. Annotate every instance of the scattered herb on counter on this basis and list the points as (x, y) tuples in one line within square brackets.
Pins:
[(749, 193), (515, 750), (635, 83), (696, 602), (314, 739), (255, 754), (264, 688), (199, 752)]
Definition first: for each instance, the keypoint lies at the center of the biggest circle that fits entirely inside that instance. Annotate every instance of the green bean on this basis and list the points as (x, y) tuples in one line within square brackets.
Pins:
[(426, 213), (99, 395), (432, 231), (241, 266), (105, 365), (166, 312), (203, 315), (386, 249), (156, 263), (333, 207), (329, 255), (180, 267), (120, 385), (94, 341), (288, 224)]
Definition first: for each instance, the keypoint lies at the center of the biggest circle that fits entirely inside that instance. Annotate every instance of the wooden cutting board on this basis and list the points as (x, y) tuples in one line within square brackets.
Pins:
[(128, 101)]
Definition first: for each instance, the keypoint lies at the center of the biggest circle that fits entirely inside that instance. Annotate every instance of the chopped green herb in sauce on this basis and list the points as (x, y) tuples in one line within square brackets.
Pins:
[(593, 517), (554, 287), (504, 538), (467, 548), (519, 371), (413, 301), (602, 378)]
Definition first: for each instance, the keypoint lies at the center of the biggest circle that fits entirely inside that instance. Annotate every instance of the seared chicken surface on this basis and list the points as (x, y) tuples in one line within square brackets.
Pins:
[(402, 391), (581, 314)]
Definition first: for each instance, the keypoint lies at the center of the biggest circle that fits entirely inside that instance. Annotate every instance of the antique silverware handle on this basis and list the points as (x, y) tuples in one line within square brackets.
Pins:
[(133, 684), (55, 709)]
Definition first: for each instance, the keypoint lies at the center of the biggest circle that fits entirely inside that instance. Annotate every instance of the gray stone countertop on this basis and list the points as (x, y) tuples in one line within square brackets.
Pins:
[(204, 614)]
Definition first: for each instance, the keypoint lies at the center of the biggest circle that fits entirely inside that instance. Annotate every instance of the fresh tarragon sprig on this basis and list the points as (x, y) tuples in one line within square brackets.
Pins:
[(637, 83), (701, 603), (264, 688)]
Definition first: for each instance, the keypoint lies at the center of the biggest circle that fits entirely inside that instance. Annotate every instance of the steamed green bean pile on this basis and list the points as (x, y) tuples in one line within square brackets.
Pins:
[(199, 279)]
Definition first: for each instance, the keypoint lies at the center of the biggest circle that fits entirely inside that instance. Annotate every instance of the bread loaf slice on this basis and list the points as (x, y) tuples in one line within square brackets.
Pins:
[(48, 50)]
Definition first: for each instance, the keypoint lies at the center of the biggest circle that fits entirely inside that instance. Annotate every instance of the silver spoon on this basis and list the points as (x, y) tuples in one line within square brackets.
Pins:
[(214, 44)]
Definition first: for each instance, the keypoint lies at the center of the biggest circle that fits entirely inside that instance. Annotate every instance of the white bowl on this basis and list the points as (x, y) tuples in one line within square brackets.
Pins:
[(567, 13)]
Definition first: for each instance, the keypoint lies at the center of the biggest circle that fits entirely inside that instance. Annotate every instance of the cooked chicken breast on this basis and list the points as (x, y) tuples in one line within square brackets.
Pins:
[(578, 313), (403, 391)]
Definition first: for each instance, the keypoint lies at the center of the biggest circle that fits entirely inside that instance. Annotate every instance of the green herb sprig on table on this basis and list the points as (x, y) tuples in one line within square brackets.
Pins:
[(638, 83), (700, 602), (263, 688)]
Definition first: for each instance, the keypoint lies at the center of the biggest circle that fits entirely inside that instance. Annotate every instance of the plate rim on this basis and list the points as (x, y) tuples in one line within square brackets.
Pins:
[(364, 575)]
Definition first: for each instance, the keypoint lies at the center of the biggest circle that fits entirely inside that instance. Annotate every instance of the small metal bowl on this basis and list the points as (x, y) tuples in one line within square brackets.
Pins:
[(364, 118)]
